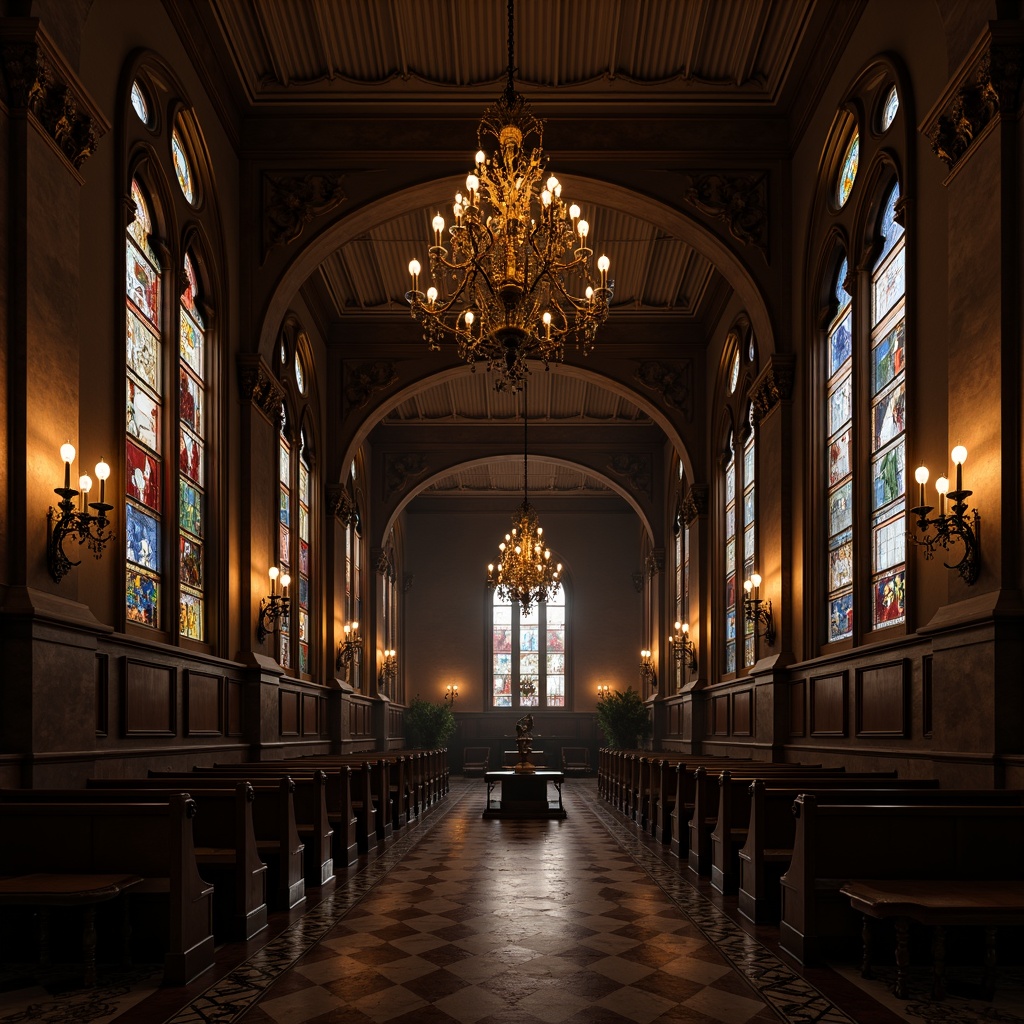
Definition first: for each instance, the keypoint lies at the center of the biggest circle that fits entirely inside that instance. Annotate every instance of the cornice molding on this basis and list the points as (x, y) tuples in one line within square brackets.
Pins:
[(37, 80), (257, 384), (773, 385), (695, 504)]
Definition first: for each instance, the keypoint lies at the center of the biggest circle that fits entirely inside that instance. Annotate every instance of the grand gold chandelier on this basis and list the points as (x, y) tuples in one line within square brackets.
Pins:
[(515, 283), (525, 572)]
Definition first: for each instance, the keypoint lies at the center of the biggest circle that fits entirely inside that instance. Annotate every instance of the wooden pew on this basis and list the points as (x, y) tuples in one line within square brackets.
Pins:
[(837, 843), (153, 840), (223, 836), (277, 835), (772, 828)]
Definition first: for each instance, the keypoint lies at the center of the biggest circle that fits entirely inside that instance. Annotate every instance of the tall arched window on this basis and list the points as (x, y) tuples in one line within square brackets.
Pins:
[(749, 523), (284, 535), (528, 653), (731, 589)]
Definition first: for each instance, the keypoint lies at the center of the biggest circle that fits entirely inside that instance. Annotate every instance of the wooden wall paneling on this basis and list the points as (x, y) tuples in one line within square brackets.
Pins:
[(288, 707), (882, 699), (798, 709), (926, 695), (102, 694), (149, 699), (687, 724), (310, 715), (204, 704), (233, 705), (742, 713), (828, 705), (720, 715)]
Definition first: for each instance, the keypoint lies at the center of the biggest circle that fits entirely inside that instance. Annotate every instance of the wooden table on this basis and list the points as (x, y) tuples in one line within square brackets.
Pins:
[(524, 794), (58, 890), (937, 904)]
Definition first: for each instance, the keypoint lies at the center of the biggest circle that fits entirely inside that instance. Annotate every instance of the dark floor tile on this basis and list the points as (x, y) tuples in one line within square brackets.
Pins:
[(444, 955), (649, 954), (384, 954), (668, 986), (435, 985), (355, 986)]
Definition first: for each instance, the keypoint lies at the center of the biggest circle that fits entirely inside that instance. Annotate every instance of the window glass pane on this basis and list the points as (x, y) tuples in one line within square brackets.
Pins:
[(848, 171), (182, 167), (730, 561), (840, 343), (142, 596), (840, 561), (142, 477), (889, 286), (191, 562), (139, 104), (889, 606), (141, 350), (840, 509), (889, 108), (840, 617), (142, 538), (887, 358)]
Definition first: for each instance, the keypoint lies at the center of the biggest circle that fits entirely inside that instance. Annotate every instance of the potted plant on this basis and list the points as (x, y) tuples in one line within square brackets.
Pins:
[(624, 719), (428, 726)]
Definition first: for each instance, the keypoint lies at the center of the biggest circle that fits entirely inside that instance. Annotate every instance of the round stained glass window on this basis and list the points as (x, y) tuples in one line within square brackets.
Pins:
[(139, 104), (300, 375), (734, 373), (182, 168), (892, 104), (848, 171)]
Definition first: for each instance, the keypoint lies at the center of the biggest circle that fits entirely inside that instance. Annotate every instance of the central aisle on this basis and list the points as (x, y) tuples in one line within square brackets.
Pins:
[(526, 922)]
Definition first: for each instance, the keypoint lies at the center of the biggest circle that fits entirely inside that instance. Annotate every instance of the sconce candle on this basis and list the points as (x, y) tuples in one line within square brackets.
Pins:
[(350, 647), (956, 526), (757, 611), (273, 609), (66, 520), (682, 646)]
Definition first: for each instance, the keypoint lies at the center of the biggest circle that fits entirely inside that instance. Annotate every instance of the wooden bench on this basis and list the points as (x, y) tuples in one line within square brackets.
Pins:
[(836, 844), (475, 760), (575, 761), (939, 904), (152, 840), (223, 835), (768, 848)]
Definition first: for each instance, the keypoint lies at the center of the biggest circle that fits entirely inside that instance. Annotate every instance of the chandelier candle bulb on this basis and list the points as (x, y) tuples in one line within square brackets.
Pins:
[(273, 573), (942, 486), (921, 476), (67, 454), (84, 487), (959, 457), (102, 472)]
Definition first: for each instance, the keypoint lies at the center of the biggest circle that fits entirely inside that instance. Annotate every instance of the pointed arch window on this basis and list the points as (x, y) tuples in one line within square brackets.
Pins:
[(284, 535), (731, 589), (305, 502), (528, 653), (749, 525)]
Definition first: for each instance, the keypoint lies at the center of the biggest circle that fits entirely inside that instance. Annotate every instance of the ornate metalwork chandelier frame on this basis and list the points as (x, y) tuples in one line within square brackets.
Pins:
[(516, 282)]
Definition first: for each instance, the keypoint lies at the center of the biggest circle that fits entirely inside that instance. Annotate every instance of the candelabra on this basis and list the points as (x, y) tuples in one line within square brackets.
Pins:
[(683, 646), (602, 690), (956, 525), (647, 673), (66, 521), (350, 648), (757, 611), (388, 668), (274, 608), (451, 693)]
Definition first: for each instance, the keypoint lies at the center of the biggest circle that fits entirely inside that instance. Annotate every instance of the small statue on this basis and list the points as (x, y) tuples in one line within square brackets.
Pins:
[(523, 741)]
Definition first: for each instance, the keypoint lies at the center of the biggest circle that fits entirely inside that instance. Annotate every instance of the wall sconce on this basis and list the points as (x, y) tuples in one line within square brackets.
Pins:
[(388, 668), (349, 648), (602, 690), (951, 527), (683, 647), (758, 611), (647, 669), (90, 529), (451, 693), (273, 609)]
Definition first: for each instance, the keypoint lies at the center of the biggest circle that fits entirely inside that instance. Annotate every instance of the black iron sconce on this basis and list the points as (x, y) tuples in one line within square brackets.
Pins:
[(683, 646), (388, 668), (647, 673), (757, 611), (66, 521), (350, 648), (451, 693), (956, 525), (273, 609)]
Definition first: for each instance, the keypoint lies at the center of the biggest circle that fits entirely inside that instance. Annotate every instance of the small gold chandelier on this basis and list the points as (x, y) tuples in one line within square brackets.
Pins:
[(516, 283), (525, 572)]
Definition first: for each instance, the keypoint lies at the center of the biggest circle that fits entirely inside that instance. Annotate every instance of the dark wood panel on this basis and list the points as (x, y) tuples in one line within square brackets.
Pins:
[(828, 705), (926, 695), (233, 707), (310, 715), (102, 694), (720, 715), (882, 700), (204, 707), (288, 702), (798, 708), (742, 705), (150, 699)]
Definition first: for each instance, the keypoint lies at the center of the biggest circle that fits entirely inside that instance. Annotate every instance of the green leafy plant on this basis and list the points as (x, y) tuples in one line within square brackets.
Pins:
[(428, 726), (624, 719)]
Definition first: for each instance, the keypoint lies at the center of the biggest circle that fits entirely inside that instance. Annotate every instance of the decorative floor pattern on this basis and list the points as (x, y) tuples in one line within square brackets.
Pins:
[(470, 921)]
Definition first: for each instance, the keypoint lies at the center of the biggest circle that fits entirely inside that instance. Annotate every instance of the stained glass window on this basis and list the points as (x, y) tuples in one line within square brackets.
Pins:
[(889, 108), (528, 653), (303, 565), (284, 534), (848, 170), (731, 589), (144, 410), (182, 167), (139, 104), (300, 374), (839, 460), (749, 477), (734, 373), (888, 423)]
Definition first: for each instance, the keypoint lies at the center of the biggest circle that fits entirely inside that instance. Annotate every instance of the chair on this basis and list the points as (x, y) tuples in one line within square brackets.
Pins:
[(475, 760), (576, 760)]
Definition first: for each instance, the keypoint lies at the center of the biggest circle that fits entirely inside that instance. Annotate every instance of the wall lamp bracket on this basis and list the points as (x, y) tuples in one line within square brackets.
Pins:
[(758, 611), (683, 648), (66, 521), (960, 525), (273, 608), (451, 693), (350, 649), (647, 673)]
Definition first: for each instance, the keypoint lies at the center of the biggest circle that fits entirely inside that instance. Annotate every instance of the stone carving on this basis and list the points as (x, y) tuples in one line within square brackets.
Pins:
[(361, 381), (672, 381), (741, 200), (341, 506), (399, 469), (36, 81), (655, 564), (636, 469), (695, 503), (974, 104), (257, 384), (384, 566), (290, 203), (774, 385)]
